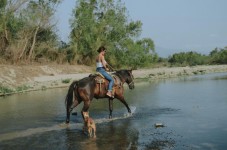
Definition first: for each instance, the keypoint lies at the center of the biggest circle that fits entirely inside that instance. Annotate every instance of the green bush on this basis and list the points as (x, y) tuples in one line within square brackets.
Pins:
[(5, 90), (22, 88), (218, 56), (188, 59), (66, 80)]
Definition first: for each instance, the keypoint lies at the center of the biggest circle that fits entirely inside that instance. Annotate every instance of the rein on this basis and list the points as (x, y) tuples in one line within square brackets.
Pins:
[(121, 76), (111, 67)]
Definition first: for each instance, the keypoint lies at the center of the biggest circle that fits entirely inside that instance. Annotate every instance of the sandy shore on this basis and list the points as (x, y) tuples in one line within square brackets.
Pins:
[(38, 77), (170, 72)]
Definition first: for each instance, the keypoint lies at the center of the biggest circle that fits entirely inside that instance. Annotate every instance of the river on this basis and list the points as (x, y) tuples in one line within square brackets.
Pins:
[(191, 109)]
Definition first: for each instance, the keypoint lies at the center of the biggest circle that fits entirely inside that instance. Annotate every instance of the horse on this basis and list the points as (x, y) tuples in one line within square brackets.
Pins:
[(95, 86)]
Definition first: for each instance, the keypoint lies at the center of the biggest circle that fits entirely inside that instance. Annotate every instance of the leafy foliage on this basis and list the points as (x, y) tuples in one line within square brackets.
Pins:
[(218, 56), (66, 80), (28, 33), (188, 58), (26, 29), (101, 22), (5, 90)]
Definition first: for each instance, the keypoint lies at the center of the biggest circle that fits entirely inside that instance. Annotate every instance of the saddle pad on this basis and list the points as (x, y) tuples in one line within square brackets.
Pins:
[(99, 74)]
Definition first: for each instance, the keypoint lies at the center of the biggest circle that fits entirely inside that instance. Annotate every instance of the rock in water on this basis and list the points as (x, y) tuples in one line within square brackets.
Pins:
[(158, 125)]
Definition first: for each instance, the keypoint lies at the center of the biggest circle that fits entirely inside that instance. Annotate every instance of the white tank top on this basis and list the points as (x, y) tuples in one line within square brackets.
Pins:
[(99, 64)]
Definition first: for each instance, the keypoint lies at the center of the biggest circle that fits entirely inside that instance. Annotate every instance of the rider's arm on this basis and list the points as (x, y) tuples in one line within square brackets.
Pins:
[(104, 63)]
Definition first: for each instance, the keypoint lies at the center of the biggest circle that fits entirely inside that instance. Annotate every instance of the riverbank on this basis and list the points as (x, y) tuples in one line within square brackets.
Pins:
[(17, 79)]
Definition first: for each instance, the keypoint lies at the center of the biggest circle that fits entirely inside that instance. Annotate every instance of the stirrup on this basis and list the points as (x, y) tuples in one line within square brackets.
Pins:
[(110, 96)]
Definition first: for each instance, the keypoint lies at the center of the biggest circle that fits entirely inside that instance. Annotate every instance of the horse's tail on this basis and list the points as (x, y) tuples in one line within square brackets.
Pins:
[(69, 99), (69, 96)]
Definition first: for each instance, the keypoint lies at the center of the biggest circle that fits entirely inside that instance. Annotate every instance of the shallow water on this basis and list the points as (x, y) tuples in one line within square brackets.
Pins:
[(192, 110)]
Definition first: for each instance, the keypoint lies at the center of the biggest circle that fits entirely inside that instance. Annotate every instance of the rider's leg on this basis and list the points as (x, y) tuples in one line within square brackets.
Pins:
[(109, 78), (111, 82)]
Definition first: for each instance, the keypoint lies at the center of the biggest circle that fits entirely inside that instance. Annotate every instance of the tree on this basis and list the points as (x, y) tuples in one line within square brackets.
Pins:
[(104, 22), (9, 24), (218, 56), (82, 35), (38, 16), (188, 58), (27, 29)]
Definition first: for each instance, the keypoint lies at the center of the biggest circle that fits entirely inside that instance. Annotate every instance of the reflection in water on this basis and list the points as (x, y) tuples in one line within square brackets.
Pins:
[(220, 78), (192, 109), (28, 132), (118, 135)]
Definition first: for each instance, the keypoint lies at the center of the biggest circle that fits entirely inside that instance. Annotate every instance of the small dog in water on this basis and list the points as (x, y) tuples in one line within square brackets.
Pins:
[(89, 125)]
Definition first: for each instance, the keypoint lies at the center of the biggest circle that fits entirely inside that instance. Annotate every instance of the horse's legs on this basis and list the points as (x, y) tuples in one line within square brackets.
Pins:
[(110, 107), (126, 104), (68, 111), (70, 108), (68, 115), (85, 107)]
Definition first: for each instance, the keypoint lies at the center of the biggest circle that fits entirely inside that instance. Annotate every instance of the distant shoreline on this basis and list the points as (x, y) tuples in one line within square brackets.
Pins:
[(173, 72), (21, 79)]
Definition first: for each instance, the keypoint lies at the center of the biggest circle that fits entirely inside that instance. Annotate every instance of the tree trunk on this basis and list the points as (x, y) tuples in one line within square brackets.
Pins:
[(23, 50), (6, 36), (4, 43), (33, 43)]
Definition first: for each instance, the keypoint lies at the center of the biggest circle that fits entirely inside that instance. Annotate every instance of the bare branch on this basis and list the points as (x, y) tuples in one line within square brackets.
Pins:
[(14, 5)]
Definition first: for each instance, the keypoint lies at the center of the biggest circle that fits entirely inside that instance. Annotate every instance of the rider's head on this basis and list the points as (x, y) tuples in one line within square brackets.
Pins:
[(101, 49)]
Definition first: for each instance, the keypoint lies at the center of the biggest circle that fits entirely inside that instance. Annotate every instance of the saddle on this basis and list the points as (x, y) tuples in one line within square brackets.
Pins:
[(101, 80)]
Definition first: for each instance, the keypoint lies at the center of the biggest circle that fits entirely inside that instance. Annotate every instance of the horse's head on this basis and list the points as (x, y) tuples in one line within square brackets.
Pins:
[(127, 77)]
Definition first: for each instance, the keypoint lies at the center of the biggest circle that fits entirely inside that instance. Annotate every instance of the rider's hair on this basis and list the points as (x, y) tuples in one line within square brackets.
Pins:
[(101, 48)]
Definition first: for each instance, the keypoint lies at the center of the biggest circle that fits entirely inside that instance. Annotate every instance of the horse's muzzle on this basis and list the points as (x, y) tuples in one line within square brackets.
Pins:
[(131, 86)]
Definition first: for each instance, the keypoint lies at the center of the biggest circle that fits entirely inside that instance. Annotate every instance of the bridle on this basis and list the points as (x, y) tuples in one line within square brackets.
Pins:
[(120, 76), (130, 83), (131, 78)]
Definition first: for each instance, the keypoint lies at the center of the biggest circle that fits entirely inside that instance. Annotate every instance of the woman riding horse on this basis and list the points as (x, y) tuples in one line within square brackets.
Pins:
[(101, 65), (87, 88)]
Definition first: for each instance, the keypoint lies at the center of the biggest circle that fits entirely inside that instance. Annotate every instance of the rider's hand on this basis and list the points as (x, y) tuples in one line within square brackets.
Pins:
[(107, 69)]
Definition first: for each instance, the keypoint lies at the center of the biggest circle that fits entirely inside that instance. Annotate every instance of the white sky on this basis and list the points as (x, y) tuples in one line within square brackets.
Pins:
[(173, 25)]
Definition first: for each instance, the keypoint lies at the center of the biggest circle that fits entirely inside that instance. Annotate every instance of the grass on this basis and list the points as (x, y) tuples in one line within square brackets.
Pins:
[(5, 90), (22, 88), (66, 81)]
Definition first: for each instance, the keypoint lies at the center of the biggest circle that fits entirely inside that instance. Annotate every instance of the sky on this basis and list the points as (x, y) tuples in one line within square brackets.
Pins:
[(174, 25)]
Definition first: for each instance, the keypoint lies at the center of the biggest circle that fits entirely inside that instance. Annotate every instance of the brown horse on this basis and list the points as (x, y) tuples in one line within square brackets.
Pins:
[(96, 86)]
